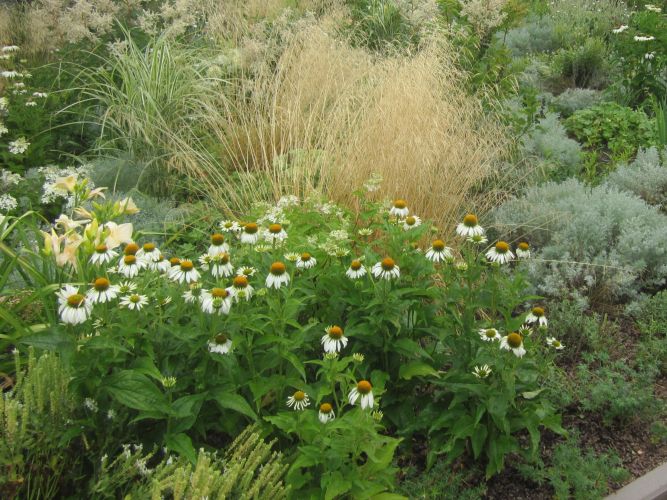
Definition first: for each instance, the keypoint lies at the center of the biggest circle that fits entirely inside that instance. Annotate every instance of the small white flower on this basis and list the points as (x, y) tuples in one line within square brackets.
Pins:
[(149, 253), (386, 269), (399, 209), (91, 405), (364, 392), (7, 202), (217, 301), (102, 255), (523, 250), (500, 253), (299, 401), (489, 334), (649, 56), (242, 288), (129, 266), (220, 266), (513, 342), (246, 271), (10, 48), (411, 222), (10, 74), (620, 29), (135, 301), (193, 294), (19, 146), (229, 226), (326, 413), (482, 371), (184, 272), (305, 261), (250, 233), (639, 38), (275, 233), (102, 291), (74, 308), (438, 252), (220, 344), (126, 287), (536, 315), (333, 340), (218, 245), (556, 344), (356, 270), (277, 276), (40, 95), (30, 104), (469, 227)]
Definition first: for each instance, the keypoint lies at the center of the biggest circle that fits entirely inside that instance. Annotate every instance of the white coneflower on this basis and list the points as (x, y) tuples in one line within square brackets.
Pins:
[(102, 291), (652, 8), (278, 276), (326, 413), (73, 307), (246, 271), (620, 29), (299, 400), (10, 48), (386, 269), (220, 344), (639, 38), (275, 233), (125, 287), (242, 288), (411, 222), (220, 266), (149, 253), (482, 371), (131, 249), (162, 265), (134, 301), (469, 227), (525, 330), (216, 301), (292, 256), (218, 245), (489, 334), (399, 209), (185, 272), (333, 340), (230, 226), (523, 250), (500, 253), (193, 293), (250, 233), (129, 266), (363, 390), (556, 344), (262, 248), (305, 261), (478, 239), (438, 252), (513, 342), (356, 270), (102, 255), (365, 231), (536, 315)]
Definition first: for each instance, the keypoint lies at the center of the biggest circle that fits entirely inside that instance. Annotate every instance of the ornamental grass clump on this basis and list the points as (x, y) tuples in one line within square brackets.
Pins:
[(334, 360)]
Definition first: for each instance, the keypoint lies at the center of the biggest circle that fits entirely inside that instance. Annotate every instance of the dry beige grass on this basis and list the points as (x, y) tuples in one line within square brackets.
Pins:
[(330, 115)]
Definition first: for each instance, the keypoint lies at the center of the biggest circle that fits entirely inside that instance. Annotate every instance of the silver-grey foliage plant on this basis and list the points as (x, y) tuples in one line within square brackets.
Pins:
[(646, 177), (596, 245)]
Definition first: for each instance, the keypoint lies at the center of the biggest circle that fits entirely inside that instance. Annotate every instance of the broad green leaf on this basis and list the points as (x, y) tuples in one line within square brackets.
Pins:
[(232, 401), (478, 439), (135, 390), (417, 369), (531, 394), (182, 444)]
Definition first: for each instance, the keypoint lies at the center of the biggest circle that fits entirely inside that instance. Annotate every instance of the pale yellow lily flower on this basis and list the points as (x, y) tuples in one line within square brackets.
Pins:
[(66, 183), (68, 224), (127, 206), (118, 233)]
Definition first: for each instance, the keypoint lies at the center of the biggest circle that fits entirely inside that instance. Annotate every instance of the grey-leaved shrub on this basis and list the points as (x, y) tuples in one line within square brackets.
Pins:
[(572, 100), (548, 141), (536, 35), (646, 177), (595, 245)]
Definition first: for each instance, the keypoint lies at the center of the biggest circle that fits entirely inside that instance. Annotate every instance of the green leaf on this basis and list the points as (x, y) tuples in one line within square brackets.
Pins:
[(531, 394), (136, 391), (236, 403), (296, 363), (478, 439), (182, 444), (417, 369), (334, 485)]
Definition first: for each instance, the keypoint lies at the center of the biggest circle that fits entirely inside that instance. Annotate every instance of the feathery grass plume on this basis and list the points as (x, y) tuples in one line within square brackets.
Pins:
[(33, 417), (330, 115), (249, 470)]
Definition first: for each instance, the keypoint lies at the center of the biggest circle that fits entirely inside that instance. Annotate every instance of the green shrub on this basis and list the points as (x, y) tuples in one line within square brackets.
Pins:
[(618, 130), (584, 65), (598, 246), (574, 473), (536, 35), (645, 176), (442, 481)]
